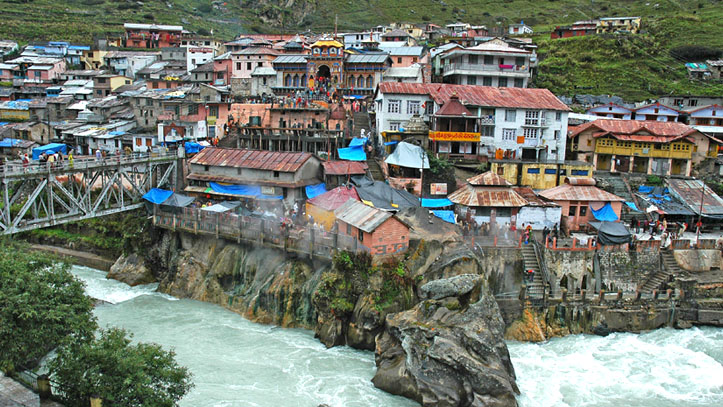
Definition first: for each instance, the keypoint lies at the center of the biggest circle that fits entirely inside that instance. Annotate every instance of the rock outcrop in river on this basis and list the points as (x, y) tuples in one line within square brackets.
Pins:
[(448, 349)]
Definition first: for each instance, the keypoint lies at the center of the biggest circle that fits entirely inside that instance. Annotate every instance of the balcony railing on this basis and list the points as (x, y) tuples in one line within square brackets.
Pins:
[(485, 68)]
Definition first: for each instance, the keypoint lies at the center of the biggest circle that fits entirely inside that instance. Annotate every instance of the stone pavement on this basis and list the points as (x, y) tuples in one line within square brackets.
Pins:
[(14, 394)]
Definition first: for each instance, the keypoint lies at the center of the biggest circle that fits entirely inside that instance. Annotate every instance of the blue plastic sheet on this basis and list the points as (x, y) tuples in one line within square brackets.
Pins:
[(251, 191), (606, 213), (632, 206), (313, 191), (352, 153), (50, 149), (357, 142), (643, 189), (9, 142), (436, 203), (447, 216), (157, 196), (391, 143), (192, 148)]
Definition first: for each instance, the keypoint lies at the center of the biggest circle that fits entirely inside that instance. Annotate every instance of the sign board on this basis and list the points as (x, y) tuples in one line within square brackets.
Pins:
[(454, 136), (267, 190), (438, 189)]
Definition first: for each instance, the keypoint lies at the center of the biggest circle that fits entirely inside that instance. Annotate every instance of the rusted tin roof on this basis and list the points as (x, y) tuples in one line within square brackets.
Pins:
[(361, 216), (568, 192), (256, 159), (453, 107), (580, 181), (332, 200), (532, 198), (470, 195), (473, 95), (691, 191), (344, 167), (488, 179), (637, 129)]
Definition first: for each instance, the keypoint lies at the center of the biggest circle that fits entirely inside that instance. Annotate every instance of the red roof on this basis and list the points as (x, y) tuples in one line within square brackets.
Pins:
[(330, 200), (479, 95), (488, 179), (651, 130), (452, 107), (256, 159), (588, 193), (658, 105), (344, 167)]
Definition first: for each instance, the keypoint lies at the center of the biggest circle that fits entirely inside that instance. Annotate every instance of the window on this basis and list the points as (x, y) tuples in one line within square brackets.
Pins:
[(532, 117), (193, 61), (394, 126), (509, 135), (519, 83), (510, 115), (101, 80), (520, 61), (582, 173), (473, 59), (361, 235), (558, 116), (348, 229), (264, 80), (583, 211), (206, 167), (248, 66), (213, 111), (550, 171), (238, 66), (149, 102), (572, 211), (692, 102), (394, 106), (489, 60), (488, 131), (502, 82), (557, 134), (486, 81), (500, 170), (276, 174), (192, 109), (471, 80), (530, 133), (413, 107), (533, 170)]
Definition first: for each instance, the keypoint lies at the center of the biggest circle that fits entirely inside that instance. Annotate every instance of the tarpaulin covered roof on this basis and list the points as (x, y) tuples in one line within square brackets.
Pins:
[(436, 203), (335, 198), (361, 216), (315, 190), (473, 95), (381, 195), (470, 195), (178, 200), (605, 213), (256, 159), (352, 153), (192, 148), (221, 207), (447, 216), (611, 233), (344, 167), (157, 195), (357, 141), (248, 191), (408, 155), (49, 149)]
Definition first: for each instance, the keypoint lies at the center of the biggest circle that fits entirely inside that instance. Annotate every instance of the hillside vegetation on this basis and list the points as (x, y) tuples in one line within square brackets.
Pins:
[(635, 67)]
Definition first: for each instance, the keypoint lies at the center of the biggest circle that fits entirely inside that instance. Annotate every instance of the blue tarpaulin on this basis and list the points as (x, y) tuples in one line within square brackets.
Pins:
[(391, 143), (447, 216), (9, 142), (357, 141), (352, 153), (632, 206), (251, 191), (436, 203), (192, 148), (50, 149), (313, 191), (157, 196), (605, 213)]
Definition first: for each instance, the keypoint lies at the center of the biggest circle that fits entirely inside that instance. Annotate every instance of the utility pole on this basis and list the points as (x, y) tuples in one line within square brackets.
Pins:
[(699, 225)]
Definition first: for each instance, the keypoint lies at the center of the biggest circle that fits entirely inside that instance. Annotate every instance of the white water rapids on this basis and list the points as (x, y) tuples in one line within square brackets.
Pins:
[(239, 363)]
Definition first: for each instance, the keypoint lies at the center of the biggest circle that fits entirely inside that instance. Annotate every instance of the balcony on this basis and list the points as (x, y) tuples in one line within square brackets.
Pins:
[(508, 70), (531, 122)]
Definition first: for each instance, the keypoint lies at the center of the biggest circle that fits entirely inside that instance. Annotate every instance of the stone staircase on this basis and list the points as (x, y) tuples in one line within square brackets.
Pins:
[(361, 121), (617, 185), (374, 169), (670, 267), (536, 289)]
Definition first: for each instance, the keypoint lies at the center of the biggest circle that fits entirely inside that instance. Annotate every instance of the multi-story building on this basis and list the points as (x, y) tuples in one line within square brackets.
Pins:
[(407, 56), (357, 39), (708, 120), (37, 70), (245, 61), (648, 147), (519, 29), (612, 111), (619, 25), (658, 112), (105, 84), (127, 63), (8, 47), (493, 63), (151, 35), (576, 29), (197, 56), (688, 102), (478, 122)]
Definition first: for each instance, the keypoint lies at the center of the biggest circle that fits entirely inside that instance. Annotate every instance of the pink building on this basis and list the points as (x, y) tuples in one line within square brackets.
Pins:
[(579, 197)]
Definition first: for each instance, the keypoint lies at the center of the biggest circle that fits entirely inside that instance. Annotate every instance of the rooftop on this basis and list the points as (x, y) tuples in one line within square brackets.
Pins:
[(255, 159), (361, 216), (568, 192)]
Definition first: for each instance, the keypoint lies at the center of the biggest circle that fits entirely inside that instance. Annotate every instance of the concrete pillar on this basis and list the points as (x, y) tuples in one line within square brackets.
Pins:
[(613, 167), (594, 161), (649, 170), (670, 166), (630, 164), (43, 382), (688, 168)]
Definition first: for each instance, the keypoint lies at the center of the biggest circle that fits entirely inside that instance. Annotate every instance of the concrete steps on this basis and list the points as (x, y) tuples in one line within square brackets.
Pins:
[(361, 121), (536, 288), (375, 170), (670, 267)]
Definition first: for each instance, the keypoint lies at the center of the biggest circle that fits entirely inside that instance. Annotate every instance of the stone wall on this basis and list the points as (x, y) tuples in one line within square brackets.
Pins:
[(626, 270)]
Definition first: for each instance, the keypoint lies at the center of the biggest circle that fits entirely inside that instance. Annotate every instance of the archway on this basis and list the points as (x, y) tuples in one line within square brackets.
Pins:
[(323, 72)]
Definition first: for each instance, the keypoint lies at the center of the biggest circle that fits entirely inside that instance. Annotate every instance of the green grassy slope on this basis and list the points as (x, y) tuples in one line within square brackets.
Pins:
[(636, 67)]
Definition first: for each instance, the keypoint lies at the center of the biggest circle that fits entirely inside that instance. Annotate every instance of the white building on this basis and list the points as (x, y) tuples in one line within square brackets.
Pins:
[(493, 63), (128, 63), (197, 56), (657, 112), (357, 39), (612, 111), (519, 29), (708, 119), (514, 122)]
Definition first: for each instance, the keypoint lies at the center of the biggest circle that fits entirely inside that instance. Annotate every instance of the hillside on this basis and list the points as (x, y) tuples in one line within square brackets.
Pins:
[(635, 68)]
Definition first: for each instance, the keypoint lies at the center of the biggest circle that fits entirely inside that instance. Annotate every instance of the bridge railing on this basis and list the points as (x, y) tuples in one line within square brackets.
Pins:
[(265, 231), (15, 168)]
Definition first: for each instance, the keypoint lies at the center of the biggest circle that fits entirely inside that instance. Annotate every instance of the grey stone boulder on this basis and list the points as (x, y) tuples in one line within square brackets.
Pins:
[(450, 287)]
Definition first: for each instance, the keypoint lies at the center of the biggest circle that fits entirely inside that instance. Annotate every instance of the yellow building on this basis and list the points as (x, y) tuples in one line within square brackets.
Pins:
[(15, 111), (538, 175), (93, 59), (611, 25)]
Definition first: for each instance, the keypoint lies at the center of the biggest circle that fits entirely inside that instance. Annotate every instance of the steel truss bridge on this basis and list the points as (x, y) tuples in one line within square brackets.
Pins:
[(39, 195)]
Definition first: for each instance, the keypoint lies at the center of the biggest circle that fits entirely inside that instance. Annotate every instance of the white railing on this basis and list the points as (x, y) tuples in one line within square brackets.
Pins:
[(16, 167), (483, 67)]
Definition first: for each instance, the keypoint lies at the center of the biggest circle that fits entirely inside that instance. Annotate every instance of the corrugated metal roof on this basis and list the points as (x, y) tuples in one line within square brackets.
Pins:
[(453, 107), (532, 198), (256, 159), (634, 127), (344, 167), (290, 59), (332, 200), (690, 192), (488, 179), (366, 58), (474, 95), (567, 192), (470, 195), (406, 51), (361, 216)]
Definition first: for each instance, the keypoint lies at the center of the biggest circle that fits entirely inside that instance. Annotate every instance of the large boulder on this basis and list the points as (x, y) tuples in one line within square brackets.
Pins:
[(448, 350), (131, 270)]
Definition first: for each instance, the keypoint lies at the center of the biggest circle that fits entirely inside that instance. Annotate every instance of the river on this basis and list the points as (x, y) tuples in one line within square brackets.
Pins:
[(239, 363)]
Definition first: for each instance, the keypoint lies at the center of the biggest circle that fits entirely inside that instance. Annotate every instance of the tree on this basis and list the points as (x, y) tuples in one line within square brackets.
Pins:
[(123, 375), (41, 306)]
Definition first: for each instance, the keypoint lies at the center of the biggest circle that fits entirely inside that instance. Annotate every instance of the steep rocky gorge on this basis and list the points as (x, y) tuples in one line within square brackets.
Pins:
[(352, 301)]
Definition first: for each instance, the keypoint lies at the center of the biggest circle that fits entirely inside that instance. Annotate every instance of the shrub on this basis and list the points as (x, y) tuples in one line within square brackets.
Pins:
[(696, 52)]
